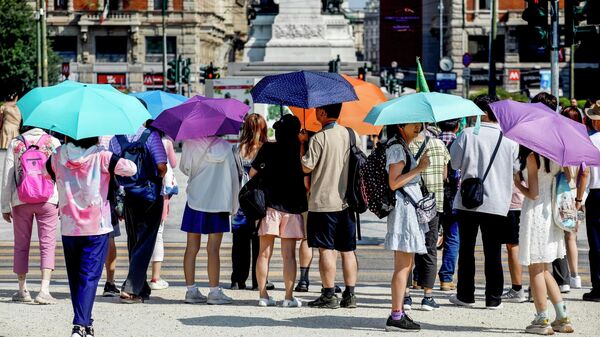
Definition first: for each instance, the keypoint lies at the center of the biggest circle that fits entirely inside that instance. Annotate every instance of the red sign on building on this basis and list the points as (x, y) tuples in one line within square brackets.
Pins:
[(514, 75), (118, 80), (155, 80)]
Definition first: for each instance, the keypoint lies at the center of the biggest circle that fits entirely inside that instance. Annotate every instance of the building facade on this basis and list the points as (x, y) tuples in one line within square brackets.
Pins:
[(122, 44), (371, 33), (519, 65)]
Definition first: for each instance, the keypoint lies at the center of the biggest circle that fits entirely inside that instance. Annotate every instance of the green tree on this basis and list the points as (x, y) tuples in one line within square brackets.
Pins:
[(18, 54)]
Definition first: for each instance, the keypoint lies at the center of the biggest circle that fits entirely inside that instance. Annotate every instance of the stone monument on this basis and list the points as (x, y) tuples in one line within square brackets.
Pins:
[(300, 33)]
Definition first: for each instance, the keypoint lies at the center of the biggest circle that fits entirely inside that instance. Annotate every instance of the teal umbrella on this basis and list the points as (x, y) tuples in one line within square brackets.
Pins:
[(423, 107), (81, 110), (159, 101)]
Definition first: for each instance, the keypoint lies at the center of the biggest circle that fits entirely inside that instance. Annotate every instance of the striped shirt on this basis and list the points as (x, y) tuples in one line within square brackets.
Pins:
[(433, 176), (153, 144)]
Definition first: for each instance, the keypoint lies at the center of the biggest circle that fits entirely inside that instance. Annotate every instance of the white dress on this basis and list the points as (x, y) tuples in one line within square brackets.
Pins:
[(540, 240), (404, 233)]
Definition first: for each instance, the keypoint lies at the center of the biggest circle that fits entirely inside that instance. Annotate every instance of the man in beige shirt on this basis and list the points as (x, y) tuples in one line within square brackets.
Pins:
[(331, 226)]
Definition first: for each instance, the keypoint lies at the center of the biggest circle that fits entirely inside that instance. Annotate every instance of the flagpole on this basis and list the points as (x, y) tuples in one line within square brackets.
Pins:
[(164, 39), (492, 42), (44, 45)]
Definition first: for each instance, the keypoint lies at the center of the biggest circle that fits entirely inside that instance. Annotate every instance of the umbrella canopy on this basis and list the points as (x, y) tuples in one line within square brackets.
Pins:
[(158, 100), (81, 110), (423, 107), (353, 113), (546, 132), (202, 117), (303, 89)]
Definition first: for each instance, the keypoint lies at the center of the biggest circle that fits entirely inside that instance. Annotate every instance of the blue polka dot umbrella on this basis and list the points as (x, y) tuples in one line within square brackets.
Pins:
[(303, 89)]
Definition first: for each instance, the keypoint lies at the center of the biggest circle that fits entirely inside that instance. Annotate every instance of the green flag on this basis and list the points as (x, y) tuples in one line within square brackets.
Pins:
[(421, 82)]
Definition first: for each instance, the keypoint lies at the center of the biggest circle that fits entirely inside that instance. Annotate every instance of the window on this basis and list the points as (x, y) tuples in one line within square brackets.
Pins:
[(154, 48), (479, 48), (111, 49), (158, 4), (65, 47), (61, 5), (485, 4)]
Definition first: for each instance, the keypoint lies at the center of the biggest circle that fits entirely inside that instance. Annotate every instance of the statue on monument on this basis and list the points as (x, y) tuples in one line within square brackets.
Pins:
[(331, 6)]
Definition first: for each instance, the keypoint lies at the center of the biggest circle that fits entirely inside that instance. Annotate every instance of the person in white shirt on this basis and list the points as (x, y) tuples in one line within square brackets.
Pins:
[(592, 211), (212, 196)]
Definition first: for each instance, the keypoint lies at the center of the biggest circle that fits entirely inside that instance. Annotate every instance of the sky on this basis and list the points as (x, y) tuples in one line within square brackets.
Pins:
[(356, 4)]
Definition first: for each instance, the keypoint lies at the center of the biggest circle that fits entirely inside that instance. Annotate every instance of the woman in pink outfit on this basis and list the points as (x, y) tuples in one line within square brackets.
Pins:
[(82, 170), (21, 214)]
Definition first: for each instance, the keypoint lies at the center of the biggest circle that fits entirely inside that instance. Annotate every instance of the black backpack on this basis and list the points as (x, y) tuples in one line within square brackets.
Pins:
[(354, 195), (145, 184)]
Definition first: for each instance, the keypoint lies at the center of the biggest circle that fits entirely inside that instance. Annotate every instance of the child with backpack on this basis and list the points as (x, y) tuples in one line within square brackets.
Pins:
[(405, 235), (28, 193), (82, 171)]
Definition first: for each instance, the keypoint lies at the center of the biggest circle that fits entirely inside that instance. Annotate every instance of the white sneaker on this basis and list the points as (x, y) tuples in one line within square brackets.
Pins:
[(218, 297), (575, 282), (22, 296), (293, 303), (514, 296), (160, 284), (44, 298), (565, 288), (266, 302), (494, 307), (193, 296), (454, 300)]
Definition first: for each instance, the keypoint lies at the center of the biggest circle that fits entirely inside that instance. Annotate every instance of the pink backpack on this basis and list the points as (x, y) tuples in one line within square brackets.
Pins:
[(35, 186)]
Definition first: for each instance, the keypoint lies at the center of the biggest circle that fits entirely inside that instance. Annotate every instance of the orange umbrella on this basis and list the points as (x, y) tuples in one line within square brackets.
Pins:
[(353, 113)]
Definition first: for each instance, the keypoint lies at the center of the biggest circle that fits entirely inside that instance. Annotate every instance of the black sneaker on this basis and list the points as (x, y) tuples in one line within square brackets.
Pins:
[(429, 304), (78, 331), (302, 286), (325, 302), (592, 296), (348, 301), (407, 303), (403, 324), (110, 290), (89, 331), (338, 290), (270, 286)]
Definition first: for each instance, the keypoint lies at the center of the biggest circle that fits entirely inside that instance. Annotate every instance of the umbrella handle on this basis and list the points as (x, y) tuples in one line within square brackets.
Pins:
[(304, 120), (280, 111)]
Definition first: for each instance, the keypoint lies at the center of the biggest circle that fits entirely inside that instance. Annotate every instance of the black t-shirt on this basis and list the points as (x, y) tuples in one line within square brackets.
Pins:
[(283, 179)]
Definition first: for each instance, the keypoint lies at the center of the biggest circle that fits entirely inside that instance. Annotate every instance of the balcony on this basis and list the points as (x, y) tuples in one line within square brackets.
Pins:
[(116, 18)]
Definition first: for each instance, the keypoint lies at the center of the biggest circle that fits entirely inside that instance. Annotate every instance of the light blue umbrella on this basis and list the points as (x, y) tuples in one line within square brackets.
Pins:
[(81, 110), (159, 101), (423, 107)]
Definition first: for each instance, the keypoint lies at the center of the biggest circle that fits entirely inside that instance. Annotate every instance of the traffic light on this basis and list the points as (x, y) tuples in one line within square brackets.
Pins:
[(536, 15), (173, 71), (574, 14), (362, 73), (185, 71), (209, 72)]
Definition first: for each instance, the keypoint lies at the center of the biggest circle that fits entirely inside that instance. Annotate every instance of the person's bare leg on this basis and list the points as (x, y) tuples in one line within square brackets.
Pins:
[(350, 268), (552, 287), (189, 258), (214, 260), (515, 268), (262, 263), (572, 253), (402, 265), (538, 286), (156, 267), (111, 261), (288, 254), (306, 254), (46, 276), (327, 267), (22, 278)]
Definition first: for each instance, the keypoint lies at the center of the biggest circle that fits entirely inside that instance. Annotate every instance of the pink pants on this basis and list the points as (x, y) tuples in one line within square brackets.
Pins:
[(46, 216)]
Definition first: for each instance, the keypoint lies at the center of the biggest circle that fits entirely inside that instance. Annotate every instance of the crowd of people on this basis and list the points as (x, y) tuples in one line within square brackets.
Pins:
[(95, 182)]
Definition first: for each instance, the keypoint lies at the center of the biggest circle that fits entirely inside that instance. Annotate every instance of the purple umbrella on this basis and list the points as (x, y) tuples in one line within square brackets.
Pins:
[(202, 117), (546, 132)]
